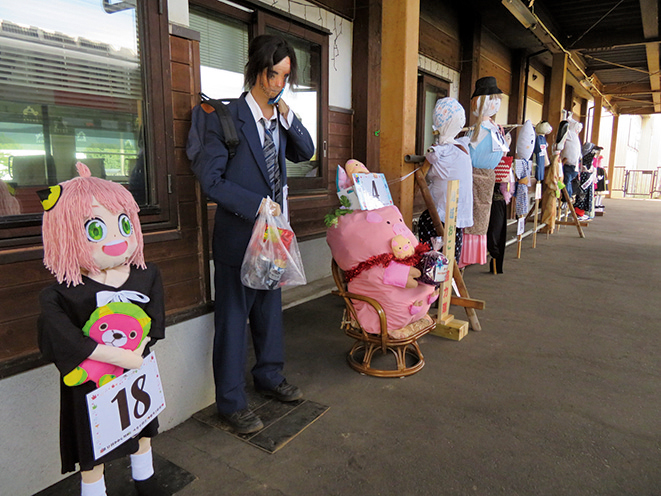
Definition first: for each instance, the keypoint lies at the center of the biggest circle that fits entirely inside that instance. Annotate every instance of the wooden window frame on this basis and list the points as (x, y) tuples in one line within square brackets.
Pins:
[(425, 78), (20, 238)]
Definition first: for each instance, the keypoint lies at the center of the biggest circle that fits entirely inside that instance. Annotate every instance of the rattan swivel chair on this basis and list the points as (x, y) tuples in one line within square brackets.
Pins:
[(366, 345)]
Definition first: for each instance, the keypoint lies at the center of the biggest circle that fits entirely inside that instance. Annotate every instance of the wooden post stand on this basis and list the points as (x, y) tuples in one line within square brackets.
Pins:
[(538, 195), (446, 325), (519, 237), (451, 328), (570, 209)]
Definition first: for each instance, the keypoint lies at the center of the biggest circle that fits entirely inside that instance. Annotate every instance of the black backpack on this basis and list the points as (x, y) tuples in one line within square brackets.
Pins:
[(198, 127)]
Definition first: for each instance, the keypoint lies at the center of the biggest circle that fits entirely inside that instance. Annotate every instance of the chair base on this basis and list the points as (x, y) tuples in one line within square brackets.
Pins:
[(366, 350)]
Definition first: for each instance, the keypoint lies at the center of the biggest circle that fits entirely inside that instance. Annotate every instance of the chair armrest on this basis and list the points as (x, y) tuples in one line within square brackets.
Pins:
[(375, 304)]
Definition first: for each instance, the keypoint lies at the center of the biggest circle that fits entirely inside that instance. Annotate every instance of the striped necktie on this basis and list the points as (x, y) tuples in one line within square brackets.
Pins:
[(271, 157)]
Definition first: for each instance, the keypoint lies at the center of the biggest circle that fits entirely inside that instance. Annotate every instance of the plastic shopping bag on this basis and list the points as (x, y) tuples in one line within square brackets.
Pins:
[(272, 259)]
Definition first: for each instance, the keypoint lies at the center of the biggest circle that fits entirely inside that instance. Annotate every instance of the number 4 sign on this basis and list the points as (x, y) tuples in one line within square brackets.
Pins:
[(372, 190), (123, 407)]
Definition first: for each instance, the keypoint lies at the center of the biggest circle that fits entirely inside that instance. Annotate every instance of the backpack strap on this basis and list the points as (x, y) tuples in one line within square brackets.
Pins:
[(226, 122)]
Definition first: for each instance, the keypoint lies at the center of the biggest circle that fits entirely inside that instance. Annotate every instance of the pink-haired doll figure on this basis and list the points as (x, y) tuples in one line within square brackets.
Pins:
[(93, 246)]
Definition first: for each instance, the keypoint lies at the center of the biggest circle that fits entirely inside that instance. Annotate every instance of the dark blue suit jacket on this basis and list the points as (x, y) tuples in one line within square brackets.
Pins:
[(239, 185)]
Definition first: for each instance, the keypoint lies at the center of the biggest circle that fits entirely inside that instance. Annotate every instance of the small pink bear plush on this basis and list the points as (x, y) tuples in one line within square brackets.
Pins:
[(403, 248)]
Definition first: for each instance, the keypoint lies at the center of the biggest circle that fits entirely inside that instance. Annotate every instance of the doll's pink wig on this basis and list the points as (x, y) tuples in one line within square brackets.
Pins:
[(8, 204), (66, 248)]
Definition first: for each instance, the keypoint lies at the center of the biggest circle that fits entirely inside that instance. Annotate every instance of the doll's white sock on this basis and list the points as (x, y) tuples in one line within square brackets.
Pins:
[(97, 488), (142, 466)]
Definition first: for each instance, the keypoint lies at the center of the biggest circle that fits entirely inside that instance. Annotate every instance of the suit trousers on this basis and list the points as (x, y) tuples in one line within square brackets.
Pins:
[(234, 305)]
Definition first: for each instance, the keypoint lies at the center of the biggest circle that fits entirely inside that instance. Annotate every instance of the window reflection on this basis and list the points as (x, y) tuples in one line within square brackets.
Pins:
[(70, 90)]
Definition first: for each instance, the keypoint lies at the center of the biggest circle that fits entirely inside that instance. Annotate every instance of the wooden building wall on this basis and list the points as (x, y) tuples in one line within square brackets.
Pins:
[(496, 61), (439, 33), (178, 252)]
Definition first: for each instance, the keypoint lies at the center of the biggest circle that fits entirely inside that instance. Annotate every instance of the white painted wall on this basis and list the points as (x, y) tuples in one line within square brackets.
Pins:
[(29, 445), (533, 111), (178, 12), (650, 146)]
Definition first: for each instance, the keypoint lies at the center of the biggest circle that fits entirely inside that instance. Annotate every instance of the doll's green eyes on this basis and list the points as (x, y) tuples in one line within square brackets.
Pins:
[(125, 226), (96, 230)]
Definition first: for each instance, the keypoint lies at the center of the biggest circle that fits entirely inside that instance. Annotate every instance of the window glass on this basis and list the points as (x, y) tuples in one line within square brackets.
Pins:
[(432, 94), (430, 89), (223, 53), (71, 90)]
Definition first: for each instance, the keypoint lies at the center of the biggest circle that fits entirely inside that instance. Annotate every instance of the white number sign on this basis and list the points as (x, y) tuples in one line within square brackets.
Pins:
[(372, 190), (123, 407), (521, 226)]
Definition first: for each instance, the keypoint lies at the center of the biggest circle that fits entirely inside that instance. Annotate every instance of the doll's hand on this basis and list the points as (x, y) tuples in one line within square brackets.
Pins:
[(127, 359), (269, 206), (283, 108), (411, 282), (140, 350)]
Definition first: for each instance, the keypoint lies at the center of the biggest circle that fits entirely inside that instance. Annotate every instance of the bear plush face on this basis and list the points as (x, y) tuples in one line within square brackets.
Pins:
[(118, 330)]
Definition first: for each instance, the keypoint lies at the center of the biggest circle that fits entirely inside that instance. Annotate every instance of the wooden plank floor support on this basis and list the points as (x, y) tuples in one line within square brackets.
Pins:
[(464, 298)]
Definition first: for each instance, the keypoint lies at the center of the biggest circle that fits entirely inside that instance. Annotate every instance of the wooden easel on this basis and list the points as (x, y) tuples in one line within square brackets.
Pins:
[(447, 325), (534, 215), (570, 209)]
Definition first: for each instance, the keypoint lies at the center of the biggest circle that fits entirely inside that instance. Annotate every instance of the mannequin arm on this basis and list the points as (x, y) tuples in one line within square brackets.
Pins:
[(127, 359)]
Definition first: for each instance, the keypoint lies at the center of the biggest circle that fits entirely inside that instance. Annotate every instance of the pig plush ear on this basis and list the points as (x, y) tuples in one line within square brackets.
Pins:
[(343, 180)]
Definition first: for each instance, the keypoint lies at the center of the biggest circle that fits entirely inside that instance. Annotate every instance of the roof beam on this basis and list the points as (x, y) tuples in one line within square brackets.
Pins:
[(606, 40), (611, 44), (628, 89)]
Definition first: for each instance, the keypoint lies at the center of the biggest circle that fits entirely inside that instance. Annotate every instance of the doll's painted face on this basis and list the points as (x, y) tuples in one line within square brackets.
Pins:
[(111, 236), (272, 82), (353, 166), (525, 141), (491, 105)]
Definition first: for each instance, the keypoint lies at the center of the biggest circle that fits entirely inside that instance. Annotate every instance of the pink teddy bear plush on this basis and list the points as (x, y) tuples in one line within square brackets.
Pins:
[(117, 324), (362, 244)]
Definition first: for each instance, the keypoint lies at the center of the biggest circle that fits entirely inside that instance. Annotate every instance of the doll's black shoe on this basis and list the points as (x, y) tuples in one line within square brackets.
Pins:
[(150, 487), (283, 392), (243, 421)]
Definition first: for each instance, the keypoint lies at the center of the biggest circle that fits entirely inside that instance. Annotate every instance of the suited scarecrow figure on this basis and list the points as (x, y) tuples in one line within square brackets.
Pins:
[(253, 180)]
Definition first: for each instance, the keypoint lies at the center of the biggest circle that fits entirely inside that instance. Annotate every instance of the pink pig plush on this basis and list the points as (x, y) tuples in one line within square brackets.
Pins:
[(366, 236)]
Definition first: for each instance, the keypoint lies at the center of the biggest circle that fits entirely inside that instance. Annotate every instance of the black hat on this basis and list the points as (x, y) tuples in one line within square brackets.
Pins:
[(486, 86)]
